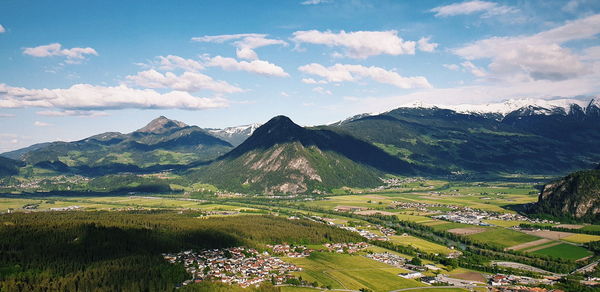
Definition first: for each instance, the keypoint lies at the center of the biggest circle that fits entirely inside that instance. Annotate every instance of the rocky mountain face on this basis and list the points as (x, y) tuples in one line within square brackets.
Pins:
[(282, 157), (576, 196)]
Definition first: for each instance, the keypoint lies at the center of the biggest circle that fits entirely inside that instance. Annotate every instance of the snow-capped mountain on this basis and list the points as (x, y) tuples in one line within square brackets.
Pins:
[(235, 135), (527, 106)]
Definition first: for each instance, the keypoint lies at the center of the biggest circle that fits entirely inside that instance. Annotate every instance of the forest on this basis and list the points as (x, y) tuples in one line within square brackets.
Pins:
[(121, 251)]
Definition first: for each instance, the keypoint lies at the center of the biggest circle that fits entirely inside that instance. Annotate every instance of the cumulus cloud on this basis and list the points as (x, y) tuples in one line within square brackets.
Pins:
[(188, 81), (312, 81), (73, 113), (255, 66), (2, 29), (41, 124), (245, 45), (345, 72), (73, 55), (171, 62), (91, 97), (536, 57), (359, 44), (425, 46), (470, 7)]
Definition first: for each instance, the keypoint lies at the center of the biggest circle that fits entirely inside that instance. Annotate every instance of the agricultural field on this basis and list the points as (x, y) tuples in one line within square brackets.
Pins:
[(420, 244), (565, 251), (342, 271), (503, 237), (581, 238)]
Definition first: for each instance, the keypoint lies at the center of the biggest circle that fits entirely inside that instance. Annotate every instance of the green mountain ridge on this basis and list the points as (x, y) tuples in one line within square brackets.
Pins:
[(282, 157)]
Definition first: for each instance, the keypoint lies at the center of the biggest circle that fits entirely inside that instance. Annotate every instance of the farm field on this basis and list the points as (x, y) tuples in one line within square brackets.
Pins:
[(565, 251), (503, 237), (420, 244), (341, 271), (581, 238)]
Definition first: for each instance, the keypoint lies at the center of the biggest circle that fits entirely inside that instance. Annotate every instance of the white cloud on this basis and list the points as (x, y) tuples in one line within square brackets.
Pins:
[(476, 94), (314, 2), (344, 72), (425, 46), (452, 67), (312, 81), (245, 45), (359, 44), (322, 90), (255, 66), (285, 94), (73, 55), (2, 29), (73, 113), (41, 124), (91, 97), (470, 7), (171, 62), (188, 81), (535, 57), (473, 69)]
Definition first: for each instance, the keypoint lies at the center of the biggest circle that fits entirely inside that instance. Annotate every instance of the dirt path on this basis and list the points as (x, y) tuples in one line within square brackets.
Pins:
[(543, 246), (528, 244), (467, 230)]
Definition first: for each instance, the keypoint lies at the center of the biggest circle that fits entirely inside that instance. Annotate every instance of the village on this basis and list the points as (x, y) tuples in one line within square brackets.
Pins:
[(237, 265)]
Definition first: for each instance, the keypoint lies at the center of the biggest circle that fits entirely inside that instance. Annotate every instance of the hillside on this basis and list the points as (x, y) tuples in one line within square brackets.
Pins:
[(527, 140), (282, 157), (576, 196), (161, 142), (9, 166)]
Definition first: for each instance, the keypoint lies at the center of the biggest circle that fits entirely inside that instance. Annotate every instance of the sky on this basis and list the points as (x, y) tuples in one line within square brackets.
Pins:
[(72, 69)]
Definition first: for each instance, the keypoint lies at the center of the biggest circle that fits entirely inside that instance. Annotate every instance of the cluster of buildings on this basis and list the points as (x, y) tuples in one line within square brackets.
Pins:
[(298, 251), (238, 265), (37, 183), (388, 258), (396, 182), (511, 280), (476, 217), (346, 247), (68, 208), (364, 233)]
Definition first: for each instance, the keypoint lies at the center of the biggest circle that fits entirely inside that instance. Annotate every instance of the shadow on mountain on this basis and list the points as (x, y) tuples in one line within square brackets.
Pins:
[(281, 130)]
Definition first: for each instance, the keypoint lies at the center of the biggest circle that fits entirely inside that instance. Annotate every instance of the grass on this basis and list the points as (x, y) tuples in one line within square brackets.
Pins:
[(421, 244), (504, 223), (591, 228), (341, 271), (565, 251), (449, 225), (503, 237), (581, 238)]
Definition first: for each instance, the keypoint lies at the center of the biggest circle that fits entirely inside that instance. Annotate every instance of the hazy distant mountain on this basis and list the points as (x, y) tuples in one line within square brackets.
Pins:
[(576, 196), (282, 157), (234, 135), (161, 142)]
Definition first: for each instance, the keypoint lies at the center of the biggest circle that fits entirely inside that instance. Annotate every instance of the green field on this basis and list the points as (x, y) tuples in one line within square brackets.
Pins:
[(565, 251), (503, 237), (341, 271), (421, 244)]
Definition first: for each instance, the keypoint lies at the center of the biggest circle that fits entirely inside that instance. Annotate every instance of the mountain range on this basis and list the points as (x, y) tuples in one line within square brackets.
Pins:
[(549, 137)]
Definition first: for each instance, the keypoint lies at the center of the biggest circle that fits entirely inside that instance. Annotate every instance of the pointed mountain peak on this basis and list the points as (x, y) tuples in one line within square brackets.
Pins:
[(160, 125)]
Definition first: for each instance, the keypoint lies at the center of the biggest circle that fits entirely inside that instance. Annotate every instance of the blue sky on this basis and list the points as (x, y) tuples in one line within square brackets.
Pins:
[(71, 69)]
